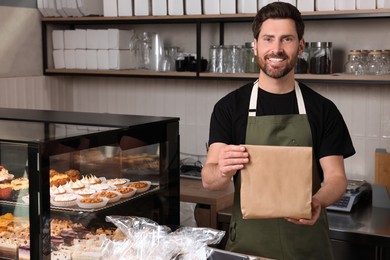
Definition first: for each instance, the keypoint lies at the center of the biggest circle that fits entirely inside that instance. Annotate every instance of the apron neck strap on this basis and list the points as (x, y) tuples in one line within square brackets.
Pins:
[(254, 95)]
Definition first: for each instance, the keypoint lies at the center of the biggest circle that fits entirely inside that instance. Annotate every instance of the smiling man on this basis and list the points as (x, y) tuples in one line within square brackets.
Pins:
[(276, 110)]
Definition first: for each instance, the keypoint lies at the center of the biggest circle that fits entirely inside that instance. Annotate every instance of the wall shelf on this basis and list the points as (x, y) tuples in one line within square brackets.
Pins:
[(198, 20)]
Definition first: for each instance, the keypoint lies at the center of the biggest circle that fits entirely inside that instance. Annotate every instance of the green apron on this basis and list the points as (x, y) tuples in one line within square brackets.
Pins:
[(278, 238)]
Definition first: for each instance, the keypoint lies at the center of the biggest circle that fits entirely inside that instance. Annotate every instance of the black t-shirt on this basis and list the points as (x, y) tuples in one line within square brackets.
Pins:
[(329, 131)]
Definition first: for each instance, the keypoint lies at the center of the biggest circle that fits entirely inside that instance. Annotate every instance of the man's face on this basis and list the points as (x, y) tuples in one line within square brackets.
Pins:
[(278, 47)]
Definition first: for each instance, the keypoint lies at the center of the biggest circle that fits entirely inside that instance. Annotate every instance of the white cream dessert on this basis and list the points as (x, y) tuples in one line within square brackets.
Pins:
[(86, 192), (91, 179), (65, 198), (57, 190), (75, 185)]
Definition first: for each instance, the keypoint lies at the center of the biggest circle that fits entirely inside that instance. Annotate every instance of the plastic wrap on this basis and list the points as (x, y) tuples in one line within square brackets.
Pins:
[(145, 239)]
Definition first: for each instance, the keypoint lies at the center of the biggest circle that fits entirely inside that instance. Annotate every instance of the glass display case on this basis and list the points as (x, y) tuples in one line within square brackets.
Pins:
[(62, 173)]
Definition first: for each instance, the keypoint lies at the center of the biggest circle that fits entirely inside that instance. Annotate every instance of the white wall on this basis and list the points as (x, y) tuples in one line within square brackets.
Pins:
[(366, 108)]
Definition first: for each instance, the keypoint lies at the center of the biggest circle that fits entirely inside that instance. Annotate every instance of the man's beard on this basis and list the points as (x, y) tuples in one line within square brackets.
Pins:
[(276, 73)]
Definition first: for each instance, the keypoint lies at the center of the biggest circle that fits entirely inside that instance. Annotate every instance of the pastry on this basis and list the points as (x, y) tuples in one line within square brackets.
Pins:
[(5, 175), (54, 190), (117, 182), (73, 174), (75, 185), (5, 190), (91, 179), (59, 179), (86, 192)]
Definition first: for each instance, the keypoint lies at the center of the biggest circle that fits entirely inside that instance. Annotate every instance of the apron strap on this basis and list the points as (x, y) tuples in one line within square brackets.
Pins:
[(253, 99)]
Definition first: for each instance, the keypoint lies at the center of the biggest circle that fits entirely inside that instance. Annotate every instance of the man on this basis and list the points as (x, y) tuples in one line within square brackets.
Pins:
[(279, 105)]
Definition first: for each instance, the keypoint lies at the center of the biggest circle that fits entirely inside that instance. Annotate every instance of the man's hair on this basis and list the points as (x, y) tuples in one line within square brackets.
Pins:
[(278, 10)]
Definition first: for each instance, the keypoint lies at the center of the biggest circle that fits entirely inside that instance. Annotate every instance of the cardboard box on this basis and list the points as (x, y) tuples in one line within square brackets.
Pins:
[(246, 6), (176, 7), (193, 7), (81, 59), (325, 5), (92, 59), (59, 59), (102, 60), (125, 7), (58, 39), (119, 39), (102, 40), (70, 59), (142, 7), (345, 5), (228, 6), (110, 8), (159, 7), (211, 7), (305, 5)]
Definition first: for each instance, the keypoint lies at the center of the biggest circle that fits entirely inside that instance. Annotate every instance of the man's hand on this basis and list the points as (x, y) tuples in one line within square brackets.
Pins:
[(315, 214)]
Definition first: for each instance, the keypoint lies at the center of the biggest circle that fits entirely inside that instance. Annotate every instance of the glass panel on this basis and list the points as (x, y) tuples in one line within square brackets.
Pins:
[(90, 184), (14, 200), (38, 131)]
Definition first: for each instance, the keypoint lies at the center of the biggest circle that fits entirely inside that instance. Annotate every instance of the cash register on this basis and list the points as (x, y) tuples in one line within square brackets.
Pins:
[(356, 190)]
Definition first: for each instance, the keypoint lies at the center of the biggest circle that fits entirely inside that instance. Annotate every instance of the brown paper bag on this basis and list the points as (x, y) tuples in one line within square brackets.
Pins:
[(277, 182)]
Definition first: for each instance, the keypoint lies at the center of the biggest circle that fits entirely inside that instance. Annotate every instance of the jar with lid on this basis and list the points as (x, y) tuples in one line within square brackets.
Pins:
[(251, 64), (386, 62), (302, 65), (213, 59), (354, 64), (321, 58), (374, 63)]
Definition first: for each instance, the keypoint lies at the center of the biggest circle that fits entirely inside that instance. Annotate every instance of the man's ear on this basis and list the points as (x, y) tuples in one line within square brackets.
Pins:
[(301, 47)]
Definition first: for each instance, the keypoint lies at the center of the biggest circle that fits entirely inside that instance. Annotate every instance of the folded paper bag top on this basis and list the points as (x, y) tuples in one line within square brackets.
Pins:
[(277, 182)]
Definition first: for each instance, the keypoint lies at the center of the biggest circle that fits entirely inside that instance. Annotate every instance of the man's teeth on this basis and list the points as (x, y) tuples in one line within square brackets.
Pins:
[(275, 59)]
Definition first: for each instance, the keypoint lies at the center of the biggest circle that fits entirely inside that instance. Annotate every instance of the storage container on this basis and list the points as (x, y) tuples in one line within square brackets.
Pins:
[(320, 58), (92, 60), (262, 3), (228, 6), (383, 4), (325, 5), (81, 59), (110, 8), (159, 7), (58, 39), (176, 7), (211, 7), (70, 59), (345, 5), (246, 6), (125, 8), (305, 5), (193, 7), (365, 4), (142, 7), (293, 2)]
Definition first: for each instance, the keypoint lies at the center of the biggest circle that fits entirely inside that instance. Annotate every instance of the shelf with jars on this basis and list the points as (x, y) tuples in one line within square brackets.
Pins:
[(198, 71)]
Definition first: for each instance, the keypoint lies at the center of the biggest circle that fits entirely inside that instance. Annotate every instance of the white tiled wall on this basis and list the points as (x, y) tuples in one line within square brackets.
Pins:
[(365, 108)]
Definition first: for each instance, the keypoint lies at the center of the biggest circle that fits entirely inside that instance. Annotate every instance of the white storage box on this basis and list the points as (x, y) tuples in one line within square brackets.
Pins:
[(293, 2), (80, 39), (228, 6), (59, 59), (119, 60), (81, 59), (70, 59), (211, 7), (102, 60), (365, 4), (72, 8), (110, 8), (50, 7), (305, 5), (325, 5), (58, 39), (262, 3), (65, 9), (125, 7), (176, 7), (142, 7), (159, 7), (345, 5), (102, 39), (70, 39), (246, 6), (41, 8), (193, 7), (91, 59), (90, 7), (60, 10), (119, 39), (383, 4), (92, 39)]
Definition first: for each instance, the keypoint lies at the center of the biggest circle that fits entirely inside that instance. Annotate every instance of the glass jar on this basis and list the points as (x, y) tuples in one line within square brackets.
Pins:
[(354, 64), (386, 62), (237, 59), (213, 56), (302, 65), (251, 64), (375, 63), (321, 58)]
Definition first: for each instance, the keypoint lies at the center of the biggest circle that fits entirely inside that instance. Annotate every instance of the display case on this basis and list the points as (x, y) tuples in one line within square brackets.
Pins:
[(62, 173)]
